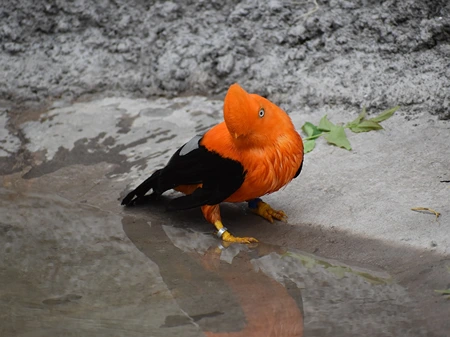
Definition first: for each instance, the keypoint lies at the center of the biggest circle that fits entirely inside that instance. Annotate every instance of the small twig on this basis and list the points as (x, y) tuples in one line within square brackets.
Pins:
[(426, 209), (305, 16), (315, 9)]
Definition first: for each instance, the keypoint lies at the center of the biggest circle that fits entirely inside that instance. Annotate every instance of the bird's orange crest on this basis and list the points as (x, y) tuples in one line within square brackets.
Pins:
[(248, 117)]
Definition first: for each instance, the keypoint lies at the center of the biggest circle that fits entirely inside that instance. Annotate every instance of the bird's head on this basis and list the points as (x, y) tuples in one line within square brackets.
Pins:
[(253, 119)]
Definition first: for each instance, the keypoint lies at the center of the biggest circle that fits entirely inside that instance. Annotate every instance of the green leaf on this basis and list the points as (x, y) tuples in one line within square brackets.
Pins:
[(385, 115), (366, 126), (309, 145), (325, 124), (358, 119), (311, 130), (444, 292), (338, 137), (313, 137)]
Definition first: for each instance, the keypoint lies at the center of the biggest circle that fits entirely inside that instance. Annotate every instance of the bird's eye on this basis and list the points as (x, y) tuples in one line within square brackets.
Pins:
[(261, 113)]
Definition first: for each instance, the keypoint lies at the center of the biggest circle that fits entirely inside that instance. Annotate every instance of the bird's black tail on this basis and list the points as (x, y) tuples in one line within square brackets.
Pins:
[(142, 189)]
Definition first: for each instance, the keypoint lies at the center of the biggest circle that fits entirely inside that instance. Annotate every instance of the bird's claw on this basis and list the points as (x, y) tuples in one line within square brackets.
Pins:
[(263, 209), (227, 237)]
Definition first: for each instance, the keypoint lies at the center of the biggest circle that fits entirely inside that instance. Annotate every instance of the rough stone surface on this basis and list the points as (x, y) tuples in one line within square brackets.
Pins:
[(348, 53)]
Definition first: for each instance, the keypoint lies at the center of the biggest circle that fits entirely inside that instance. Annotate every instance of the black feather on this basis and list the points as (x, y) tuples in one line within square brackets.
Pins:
[(220, 177), (142, 189)]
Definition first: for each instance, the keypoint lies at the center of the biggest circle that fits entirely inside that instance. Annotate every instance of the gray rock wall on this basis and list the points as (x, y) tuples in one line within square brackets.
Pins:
[(351, 53)]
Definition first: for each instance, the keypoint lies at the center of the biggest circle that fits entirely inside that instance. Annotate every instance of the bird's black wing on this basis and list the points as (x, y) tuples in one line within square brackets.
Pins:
[(193, 164)]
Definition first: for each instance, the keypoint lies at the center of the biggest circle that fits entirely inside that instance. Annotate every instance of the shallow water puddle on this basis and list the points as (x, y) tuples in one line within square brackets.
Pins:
[(68, 266), (267, 290)]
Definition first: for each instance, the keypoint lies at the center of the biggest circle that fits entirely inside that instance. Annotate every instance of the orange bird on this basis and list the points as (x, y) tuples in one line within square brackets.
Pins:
[(254, 152)]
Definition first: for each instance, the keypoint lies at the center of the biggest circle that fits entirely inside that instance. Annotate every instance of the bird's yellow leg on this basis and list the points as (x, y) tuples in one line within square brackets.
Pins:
[(212, 214), (228, 237), (263, 209)]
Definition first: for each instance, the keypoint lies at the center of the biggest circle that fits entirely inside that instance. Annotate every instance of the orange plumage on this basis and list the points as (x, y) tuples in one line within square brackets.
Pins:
[(256, 150)]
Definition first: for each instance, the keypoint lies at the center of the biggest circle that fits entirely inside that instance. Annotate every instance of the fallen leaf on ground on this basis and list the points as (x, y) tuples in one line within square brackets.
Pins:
[(325, 124), (366, 126), (360, 124), (443, 292), (311, 130), (309, 145), (426, 209), (337, 137), (358, 119), (385, 114)]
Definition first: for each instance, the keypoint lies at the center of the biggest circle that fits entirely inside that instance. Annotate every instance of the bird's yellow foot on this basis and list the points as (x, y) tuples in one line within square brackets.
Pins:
[(263, 209), (225, 235)]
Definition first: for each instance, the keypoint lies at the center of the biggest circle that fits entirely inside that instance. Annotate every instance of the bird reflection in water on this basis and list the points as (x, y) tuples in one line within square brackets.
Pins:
[(220, 289)]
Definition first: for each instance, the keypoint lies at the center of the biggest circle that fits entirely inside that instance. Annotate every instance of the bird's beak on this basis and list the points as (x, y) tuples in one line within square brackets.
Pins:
[(236, 135)]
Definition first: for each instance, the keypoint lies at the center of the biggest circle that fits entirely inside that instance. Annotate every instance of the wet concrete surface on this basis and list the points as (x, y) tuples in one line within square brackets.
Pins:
[(74, 262)]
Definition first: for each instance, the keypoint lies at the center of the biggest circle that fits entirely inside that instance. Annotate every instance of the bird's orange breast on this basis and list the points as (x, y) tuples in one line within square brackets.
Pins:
[(269, 168)]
